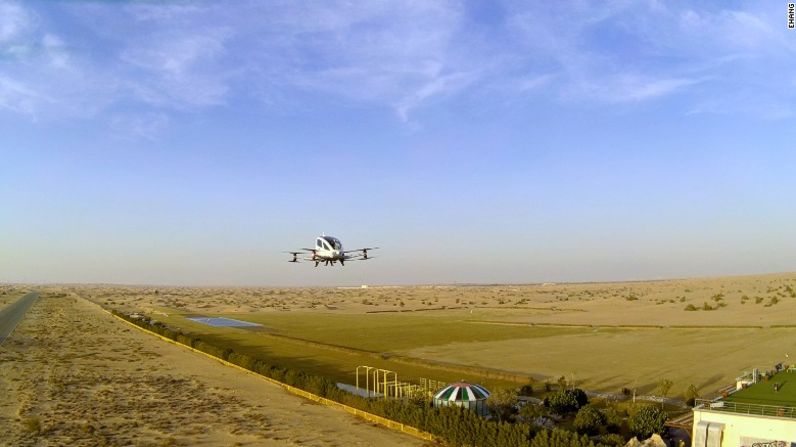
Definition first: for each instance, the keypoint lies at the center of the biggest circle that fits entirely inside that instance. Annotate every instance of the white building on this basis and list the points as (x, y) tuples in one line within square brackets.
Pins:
[(725, 428), (758, 413)]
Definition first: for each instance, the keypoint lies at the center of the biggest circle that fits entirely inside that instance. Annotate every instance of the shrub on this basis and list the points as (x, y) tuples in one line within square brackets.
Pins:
[(613, 418), (690, 395), (648, 420), (664, 386), (613, 440), (501, 403), (526, 390), (32, 425), (566, 401), (589, 420), (560, 438), (530, 412), (690, 307)]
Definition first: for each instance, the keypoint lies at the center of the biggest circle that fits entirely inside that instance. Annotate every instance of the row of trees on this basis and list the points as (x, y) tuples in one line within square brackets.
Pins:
[(453, 425)]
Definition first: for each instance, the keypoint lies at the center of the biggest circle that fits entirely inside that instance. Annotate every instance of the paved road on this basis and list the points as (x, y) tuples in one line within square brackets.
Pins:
[(12, 314)]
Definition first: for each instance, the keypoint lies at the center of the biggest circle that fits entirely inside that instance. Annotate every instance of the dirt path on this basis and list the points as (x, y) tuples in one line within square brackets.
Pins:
[(73, 375)]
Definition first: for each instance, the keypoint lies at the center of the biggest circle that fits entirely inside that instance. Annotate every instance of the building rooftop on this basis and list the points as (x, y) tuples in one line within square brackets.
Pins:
[(779, 390), (774, 397)]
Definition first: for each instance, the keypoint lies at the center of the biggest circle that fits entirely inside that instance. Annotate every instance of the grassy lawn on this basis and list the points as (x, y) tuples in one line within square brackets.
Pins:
[(337, 364), (763, 392), (393, 332), (600, 359)]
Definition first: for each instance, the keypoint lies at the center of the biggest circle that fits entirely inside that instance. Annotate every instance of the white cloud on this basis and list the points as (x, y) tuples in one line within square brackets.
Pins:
[(13, 22), (633, 88), (143, 125), (177, 71), (631, 52), (172, 58), (436, 87), (18, 97), (396, 55)]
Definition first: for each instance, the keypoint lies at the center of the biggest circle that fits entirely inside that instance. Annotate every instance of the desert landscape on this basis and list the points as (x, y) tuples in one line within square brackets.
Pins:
[(602, 336), (74, 375)]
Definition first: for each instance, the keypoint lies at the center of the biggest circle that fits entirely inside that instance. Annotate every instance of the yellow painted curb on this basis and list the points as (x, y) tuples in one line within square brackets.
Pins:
[(389, 423)]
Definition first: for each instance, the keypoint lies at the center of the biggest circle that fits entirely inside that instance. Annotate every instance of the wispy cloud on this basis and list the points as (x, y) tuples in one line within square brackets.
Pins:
[(13, 21), (18, 97), (632, 88), (142, 125), (193, 56)]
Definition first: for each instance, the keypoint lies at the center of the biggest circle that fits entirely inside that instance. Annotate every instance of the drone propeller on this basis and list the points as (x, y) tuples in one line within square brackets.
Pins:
[(365, 252)]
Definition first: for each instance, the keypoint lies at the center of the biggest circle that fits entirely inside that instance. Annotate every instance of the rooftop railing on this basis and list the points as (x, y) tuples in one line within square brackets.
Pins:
[(779, 411)]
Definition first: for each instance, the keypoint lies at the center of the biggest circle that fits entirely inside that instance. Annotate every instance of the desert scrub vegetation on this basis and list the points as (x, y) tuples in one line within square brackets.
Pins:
[(705, 306), (32, 425), (772, 301)]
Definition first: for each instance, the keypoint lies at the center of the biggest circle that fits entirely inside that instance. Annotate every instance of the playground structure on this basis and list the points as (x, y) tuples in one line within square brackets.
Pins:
[(384, 383)]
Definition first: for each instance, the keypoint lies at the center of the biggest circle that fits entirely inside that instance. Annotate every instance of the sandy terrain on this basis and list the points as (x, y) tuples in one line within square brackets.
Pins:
[(700, 331), (9, 294), (73, 375), (742, 300)]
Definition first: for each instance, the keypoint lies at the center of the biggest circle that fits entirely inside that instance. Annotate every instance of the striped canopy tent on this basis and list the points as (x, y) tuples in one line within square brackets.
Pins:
[(463, 394)]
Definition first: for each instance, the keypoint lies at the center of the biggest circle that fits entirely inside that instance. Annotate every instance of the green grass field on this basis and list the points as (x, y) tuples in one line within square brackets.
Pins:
[(763, 393), (597, 358), (334, 351), (395, 332)]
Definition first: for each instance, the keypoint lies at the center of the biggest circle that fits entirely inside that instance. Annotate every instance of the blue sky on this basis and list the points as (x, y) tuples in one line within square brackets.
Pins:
[(482, 141)]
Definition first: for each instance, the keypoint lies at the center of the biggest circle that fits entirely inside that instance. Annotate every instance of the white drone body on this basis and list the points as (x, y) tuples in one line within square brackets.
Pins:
[(329, 250)]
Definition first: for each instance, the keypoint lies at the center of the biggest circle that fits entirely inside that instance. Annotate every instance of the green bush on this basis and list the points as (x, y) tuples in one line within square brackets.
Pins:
[(613, 419), (566, 401), (526, 390), (589, 420), (690, 395), (560, 438), (648, 420), (613, 440)]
